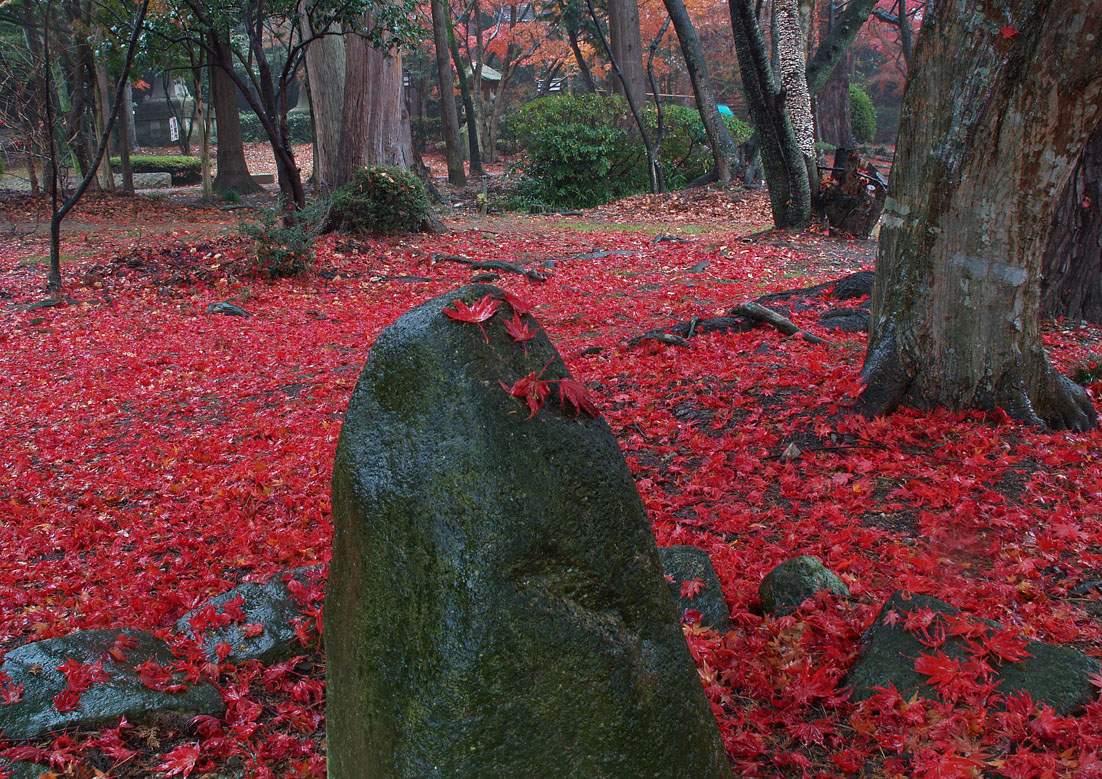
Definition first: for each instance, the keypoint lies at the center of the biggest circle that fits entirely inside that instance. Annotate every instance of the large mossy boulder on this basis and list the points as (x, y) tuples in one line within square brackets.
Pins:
[(105, 667), (496, 605), (1053, 675)]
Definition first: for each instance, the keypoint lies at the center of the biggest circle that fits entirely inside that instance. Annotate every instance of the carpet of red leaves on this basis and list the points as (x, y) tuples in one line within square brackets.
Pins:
[(155, 455)]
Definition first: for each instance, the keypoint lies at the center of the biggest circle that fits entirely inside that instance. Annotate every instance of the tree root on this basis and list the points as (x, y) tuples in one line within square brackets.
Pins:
[(495, 265), (752, 310)]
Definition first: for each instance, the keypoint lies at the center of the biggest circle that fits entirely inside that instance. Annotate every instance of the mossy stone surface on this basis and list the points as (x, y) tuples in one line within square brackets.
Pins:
[(686, 563), (783, 589), (35, 665), (1054, 675), (496, 607)]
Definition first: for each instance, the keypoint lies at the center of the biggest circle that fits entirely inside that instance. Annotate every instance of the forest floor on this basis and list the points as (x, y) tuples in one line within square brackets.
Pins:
[(155, 455)]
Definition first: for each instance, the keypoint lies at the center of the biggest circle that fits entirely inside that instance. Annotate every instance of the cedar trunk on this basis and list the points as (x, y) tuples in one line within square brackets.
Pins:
[(994, 117), (233, 173), (1071, 286), (626, 42)]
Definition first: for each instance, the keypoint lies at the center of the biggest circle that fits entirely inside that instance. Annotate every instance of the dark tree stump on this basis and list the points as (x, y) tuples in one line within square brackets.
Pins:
[(854, 199)]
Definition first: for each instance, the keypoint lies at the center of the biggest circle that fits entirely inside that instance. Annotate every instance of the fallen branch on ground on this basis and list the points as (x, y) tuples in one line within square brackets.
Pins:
[(498, 265)]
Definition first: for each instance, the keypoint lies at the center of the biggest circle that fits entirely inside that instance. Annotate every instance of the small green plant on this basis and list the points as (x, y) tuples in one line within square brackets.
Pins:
[(231, 196), (380, 199), (1089, 371), (862, 114), (281, 250)]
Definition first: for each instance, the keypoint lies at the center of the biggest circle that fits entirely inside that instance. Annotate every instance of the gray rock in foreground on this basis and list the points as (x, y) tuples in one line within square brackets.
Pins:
[(783, 589), (496, 606), (269, 608), (686, 564), (1054, 675), (122, 693)]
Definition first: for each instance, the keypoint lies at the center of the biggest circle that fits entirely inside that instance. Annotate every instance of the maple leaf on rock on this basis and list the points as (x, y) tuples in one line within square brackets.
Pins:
[(690, 588), (520, 307), (575, 393), (482, 310), (519, 330), (531, 389)]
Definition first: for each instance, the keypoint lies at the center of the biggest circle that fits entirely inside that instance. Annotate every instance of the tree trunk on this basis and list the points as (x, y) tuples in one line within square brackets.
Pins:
[(126, 124), (724, 149), (626, 42), (475, 166), (836, 42), (785, 170), (233, 172), (102, 107), (583, 66), (994, 116), (375, 127), (325, 66), (832, 111), (1071, 284), (792, 58), (449, 114)]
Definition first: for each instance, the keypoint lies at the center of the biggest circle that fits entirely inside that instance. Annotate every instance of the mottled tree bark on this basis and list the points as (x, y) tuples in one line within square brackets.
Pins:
[(232, 174), (449, 114), (626, 41), (325, 72), (996, 112), (724, 149), (785, 169), (1071, 284)]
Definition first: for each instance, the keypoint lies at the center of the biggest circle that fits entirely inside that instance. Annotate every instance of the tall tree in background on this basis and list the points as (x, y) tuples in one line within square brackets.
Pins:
[(232, 171), (997, 110), (785, 169), (626, 42), (1072, 268), (445, 75), (724, 148)]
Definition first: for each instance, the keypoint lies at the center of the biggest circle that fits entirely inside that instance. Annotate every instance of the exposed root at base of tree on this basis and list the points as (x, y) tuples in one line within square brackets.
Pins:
[(493, 265)]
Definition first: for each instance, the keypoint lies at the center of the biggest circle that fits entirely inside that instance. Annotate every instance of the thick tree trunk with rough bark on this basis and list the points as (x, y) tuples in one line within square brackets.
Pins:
[(785, 169), (724, 149), (448, 112), (233, 174), (626, 42), (996, 112), (325, 71), (1071, 284)]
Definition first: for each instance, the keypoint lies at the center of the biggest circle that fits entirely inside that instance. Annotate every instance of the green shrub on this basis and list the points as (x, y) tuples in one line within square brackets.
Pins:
[(862, 114), (581, 149), (300, 126), (584, 150), (184, 170), (1089, 370), (280, 250), (380, 199)]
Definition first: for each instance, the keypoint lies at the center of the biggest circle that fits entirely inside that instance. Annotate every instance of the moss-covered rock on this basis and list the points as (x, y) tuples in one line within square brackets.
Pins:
[(1054, 675), (116, 692), (496, 605), (691, 570), (792, 582)]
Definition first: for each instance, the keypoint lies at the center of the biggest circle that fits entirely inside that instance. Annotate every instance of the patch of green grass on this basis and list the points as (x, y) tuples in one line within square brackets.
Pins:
[(42, 260)]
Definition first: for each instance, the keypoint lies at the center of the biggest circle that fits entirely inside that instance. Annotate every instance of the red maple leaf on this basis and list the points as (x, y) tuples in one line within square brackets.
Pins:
[(690, 588), (519, 306), (181, 760), (252, 630), (944, 672), (482, 310), (1009, 33), (531, 389), (519, 330), (577, 395), (1007, 645)]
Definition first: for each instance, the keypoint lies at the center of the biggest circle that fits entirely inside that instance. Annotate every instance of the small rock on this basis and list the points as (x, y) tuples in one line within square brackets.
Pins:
[(692, 565), (271, 606), (222, 307), (792, 582), (120, 693), (1054, 675)]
